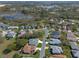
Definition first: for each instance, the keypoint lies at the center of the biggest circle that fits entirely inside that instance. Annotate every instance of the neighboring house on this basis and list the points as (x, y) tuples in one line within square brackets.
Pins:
[(28, 49), (3, 26), (74, 46), (54, 41), (10, 34), (75, 54), (13, 27), (71, 36), (55, 34), (4, 33), (56, 50), (21, 33), (58, 56), (33, 41)]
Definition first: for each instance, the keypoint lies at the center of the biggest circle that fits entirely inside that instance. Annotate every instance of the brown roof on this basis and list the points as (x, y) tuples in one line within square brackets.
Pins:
[(58, 56), (28, 49)]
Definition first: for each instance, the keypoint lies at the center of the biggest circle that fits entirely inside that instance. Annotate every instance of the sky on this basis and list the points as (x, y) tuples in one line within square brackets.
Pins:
[(39, 0)]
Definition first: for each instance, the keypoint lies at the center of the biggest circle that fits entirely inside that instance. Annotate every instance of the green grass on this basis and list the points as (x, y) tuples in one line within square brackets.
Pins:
[(78, 43), (47, 53), (4, 45), (39, 45), (67, 52), (35, 55), (66, 48), (76, 35)]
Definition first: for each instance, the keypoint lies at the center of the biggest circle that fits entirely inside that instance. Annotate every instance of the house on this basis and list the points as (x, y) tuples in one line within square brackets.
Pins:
[(56, 50), (55, 34), (71, 36), (13, 27), (3, 26), (54, 41), (4, 33), (10, 34), (33, 41), (21, 33), (74, 46), (58, 56), (75, 54), (28, 49)]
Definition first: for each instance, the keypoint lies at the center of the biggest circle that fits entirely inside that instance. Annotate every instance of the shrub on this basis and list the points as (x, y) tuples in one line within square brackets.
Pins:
[(7, 50), (17, 55)]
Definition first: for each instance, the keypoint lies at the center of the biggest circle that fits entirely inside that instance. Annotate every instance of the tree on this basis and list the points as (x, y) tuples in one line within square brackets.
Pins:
[(12, 46), (20, 43), (16, 55), (7, 50)]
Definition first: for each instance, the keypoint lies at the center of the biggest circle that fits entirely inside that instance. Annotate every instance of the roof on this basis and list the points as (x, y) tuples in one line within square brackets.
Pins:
[(11, 34), (58, 56), (33, 41), (54, 41), (56, 50), (71, 36), (3, 26), (74, 45), (22, 33), (55, 34), (75, 53), (28, 49)]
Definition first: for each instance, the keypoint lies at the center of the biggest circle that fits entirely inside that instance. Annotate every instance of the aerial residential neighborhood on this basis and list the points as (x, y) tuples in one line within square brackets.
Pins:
[(44, 29)]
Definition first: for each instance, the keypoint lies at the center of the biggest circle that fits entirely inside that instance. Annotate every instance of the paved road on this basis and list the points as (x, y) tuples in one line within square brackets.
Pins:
[(42, 52)]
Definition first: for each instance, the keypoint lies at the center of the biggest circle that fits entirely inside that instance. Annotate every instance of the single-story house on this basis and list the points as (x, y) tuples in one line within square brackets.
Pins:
[(55, 34), (33, 41), (10, 34), (4, 33), (28, 49), (3, 26), (74, 46), (71, 36), (21, 33), (56, 50), (54, 41), (13, 27), (75, 54), (58, 56)]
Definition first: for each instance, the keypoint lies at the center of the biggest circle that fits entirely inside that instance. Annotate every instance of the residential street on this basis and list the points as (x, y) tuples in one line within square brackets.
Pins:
[(42, 52)]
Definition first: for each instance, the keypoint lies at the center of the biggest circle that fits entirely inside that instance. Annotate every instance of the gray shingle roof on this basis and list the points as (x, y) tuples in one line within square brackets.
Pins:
[(75, 53), (54, 41), (74, 45), (55, 34), (56, 50), (33, 41)]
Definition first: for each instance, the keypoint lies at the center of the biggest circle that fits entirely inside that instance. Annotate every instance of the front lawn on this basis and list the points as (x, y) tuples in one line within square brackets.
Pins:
[(67, 51), (35, 55), (39, 45)]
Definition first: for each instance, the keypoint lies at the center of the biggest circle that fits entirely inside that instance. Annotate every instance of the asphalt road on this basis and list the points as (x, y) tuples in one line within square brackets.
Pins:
[(42, 52)]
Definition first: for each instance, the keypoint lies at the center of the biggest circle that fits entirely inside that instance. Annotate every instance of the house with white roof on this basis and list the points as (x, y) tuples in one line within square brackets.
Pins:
[(13, 27), (10, 34)]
